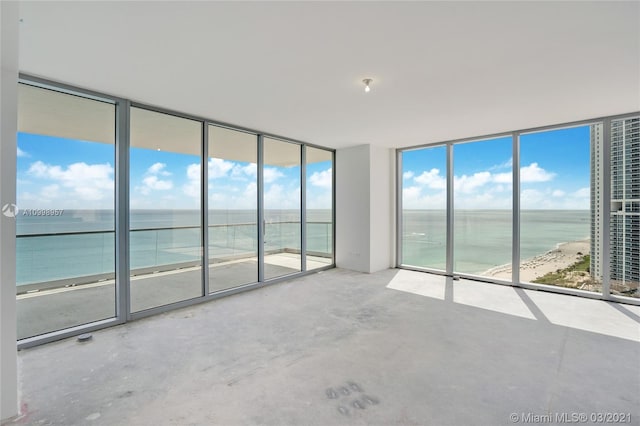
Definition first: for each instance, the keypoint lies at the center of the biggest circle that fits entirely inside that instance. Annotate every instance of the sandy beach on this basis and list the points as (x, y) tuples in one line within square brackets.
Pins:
[(565, 255)]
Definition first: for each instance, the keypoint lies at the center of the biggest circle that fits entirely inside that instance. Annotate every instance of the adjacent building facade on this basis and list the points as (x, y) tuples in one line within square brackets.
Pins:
[(624, 220), (625, 205)]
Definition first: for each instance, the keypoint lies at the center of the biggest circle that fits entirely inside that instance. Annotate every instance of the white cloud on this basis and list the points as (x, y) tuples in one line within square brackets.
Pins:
[(192, 187), (408, 175), (484, 189), (251, 192), (276, 196), (153, 183), (219, 168), (531, 199), (502, 188), (528, 174), (323, 179), (411, 192), (320, 201), (158, 169), (193, 172), (534, 173), (582, 193), (50, 191), (242, 172), (89, 182), (482, 200), (503, 177), (224, 197), (506, 165), (467, 184), (271, 174), (412, 198), (431, 179), (22, 153)]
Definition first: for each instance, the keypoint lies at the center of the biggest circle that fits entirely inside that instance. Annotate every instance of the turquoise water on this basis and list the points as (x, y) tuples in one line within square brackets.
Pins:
[(482, 238), (158, 237)]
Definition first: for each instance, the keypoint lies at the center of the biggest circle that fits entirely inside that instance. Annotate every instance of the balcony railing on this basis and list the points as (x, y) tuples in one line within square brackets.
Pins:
[(65, 259)]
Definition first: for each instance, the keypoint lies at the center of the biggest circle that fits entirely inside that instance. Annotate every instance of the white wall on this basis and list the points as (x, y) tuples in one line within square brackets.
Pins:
[(352, 208), (364, 208), (382, 208), (8, 127)]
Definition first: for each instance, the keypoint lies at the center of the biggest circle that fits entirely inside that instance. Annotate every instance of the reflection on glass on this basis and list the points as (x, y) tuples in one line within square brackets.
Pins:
[(557, 213), (424, 207), (282, 238), (624, 223), (233, 208), (482, 189), (65, 250), (165, 237), (319, 208)]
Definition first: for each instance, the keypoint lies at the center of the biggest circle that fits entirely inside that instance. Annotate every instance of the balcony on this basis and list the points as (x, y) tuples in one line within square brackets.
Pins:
[(67, 278)]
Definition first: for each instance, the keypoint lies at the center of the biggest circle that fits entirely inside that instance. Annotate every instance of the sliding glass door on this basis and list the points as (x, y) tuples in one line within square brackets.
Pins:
[(120, 207), (65, 245), (319, 205), (233, 208), (282, 208), (165, 191)]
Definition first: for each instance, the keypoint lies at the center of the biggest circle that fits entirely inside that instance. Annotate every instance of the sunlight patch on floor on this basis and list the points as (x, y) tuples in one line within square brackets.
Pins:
[(597, 316)]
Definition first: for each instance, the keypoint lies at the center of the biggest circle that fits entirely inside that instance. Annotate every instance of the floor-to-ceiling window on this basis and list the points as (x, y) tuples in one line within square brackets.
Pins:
[(165, 192), (482, 194), (282, 208), (233, 208), (424, 208), (319, 205), (556, 207), (575, 227), (116, 213), (65, 246)]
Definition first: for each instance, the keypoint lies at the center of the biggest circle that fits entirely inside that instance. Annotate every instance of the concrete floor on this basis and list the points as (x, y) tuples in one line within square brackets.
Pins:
[(342, 348), (61, 308)]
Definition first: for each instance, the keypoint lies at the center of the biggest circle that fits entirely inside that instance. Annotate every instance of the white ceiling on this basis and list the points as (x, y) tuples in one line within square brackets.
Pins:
[(52, 113), (441, 70)]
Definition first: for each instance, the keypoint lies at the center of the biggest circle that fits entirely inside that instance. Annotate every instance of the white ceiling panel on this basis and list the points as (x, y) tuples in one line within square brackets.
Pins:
[(440, 70)]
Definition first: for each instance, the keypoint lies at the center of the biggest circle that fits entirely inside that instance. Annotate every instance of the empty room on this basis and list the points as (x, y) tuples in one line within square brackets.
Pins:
[(319, 213)]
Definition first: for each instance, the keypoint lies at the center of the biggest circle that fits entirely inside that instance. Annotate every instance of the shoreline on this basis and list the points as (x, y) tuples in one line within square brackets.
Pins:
[(563, 256)]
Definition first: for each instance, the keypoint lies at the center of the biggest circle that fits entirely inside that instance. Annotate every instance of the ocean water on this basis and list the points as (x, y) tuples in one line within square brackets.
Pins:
[(81, 243), (482, 238)]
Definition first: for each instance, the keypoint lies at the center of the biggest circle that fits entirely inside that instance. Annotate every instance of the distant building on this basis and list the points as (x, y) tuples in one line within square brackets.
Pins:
[(597, 183), (624, 221)]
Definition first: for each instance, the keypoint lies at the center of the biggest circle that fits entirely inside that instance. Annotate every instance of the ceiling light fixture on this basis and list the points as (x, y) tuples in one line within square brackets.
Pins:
[(367, 82)]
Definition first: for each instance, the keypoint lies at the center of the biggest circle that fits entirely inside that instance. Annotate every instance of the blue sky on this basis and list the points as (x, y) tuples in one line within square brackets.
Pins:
[(554, 173), (68, 174), (63, 173)]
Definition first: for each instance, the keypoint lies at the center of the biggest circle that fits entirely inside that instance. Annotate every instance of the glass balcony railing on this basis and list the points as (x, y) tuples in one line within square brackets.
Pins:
[(65, 259)]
